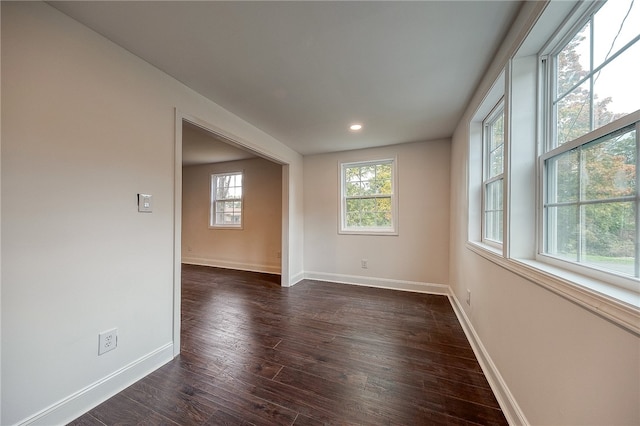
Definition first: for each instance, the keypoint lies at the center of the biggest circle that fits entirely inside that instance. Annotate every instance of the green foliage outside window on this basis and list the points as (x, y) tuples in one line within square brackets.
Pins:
[(368, 190), (591, 189)]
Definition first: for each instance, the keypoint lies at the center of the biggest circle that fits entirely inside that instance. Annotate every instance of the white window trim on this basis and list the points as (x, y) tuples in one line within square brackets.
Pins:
[(614, 303), (618, 304), (578, 17), (342, 228), (212, 200), (591, 271), (475, 163), (498, 109)]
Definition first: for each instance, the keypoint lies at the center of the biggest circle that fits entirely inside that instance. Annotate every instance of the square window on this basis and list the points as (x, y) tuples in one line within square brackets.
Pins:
[(368, 201)]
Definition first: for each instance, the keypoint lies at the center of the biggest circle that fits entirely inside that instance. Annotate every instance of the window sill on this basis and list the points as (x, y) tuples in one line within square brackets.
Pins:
[(614, 303), (366, 232)]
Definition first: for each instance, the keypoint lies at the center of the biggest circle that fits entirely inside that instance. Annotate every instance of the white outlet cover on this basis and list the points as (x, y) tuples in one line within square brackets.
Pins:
[(145, 204), (107, 341)]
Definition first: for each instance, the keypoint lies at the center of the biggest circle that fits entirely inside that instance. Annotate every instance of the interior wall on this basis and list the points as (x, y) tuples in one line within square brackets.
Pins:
[(418, 254), (86, 127), (255, 247), (562, 363)]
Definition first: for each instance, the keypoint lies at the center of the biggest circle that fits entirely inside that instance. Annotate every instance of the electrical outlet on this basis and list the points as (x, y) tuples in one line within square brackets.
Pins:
[(107, 341), (468, 297), (364, 263)]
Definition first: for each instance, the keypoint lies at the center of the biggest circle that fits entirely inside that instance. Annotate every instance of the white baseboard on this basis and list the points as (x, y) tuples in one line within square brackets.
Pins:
[(505, 398), (85, 399), (267, 269), (415, 286), (296, 279)]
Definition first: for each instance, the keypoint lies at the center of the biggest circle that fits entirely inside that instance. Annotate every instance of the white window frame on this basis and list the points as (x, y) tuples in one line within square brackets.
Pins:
[(213, 200), (487, 135), (391, 230), (520, 79), (550, 149)]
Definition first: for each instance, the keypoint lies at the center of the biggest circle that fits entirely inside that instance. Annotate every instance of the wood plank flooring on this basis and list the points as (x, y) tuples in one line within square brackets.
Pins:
[(313, 354)]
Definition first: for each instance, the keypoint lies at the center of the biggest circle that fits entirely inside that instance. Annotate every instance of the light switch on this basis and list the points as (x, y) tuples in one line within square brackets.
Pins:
[(144, 203)]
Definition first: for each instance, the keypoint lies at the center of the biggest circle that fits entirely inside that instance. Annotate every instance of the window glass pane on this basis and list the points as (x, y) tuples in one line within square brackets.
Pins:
[(614, 25), (226, 208), (368, 219), (383, 204), (353, 219), (383, 171), (613, 91), (383, 186), (496, 161), (609, 236), (368, 204), (493, 210), (495, 146), (563, 172), (493, 224), (352, 174), (574, 114), (368, 188), (383, 219), (228, 186), (368, 180), (353, 205), (221, 193), (497, 132), (369, 212), (368, 173), (610, 167), (353, 188), (494, 195), (573, 62), (562, 232)]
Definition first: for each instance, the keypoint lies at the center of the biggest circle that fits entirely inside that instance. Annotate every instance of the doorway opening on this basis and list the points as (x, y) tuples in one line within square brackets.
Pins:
[(260, 243)]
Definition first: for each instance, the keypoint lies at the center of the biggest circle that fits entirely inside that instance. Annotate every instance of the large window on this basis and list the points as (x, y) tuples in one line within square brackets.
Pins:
[(590, 185), (368, 197), (553, 184), (493, 183), (226, 200)]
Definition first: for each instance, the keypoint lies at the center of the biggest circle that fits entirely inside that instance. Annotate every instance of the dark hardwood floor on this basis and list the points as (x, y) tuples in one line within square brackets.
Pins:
[(316, 353)]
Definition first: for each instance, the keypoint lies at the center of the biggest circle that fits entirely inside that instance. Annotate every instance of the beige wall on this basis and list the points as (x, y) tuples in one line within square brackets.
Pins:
[(418, 254), (563, 364), (257, 245), (87, 126)]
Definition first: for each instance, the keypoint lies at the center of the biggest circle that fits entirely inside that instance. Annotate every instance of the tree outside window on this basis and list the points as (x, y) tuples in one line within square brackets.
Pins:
[(226, 200), (493, 183), (368, 197), (591, 190)]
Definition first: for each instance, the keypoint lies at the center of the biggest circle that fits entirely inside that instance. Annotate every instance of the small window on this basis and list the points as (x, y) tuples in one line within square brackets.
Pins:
[(226, 200), (493, 181), (368, 198)]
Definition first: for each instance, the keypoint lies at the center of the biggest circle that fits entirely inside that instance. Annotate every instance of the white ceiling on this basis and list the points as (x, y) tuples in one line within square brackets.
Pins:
[(199, 146), (303, 71)]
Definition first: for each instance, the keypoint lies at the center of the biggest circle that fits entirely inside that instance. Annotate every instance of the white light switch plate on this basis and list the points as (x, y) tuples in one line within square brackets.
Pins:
[(145, 203)]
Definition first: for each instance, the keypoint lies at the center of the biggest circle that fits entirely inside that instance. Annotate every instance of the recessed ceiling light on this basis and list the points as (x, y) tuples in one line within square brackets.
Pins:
[(355, 127)]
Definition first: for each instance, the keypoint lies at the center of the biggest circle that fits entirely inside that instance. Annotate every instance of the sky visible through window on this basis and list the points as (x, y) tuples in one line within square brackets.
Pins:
[(615, 24)]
